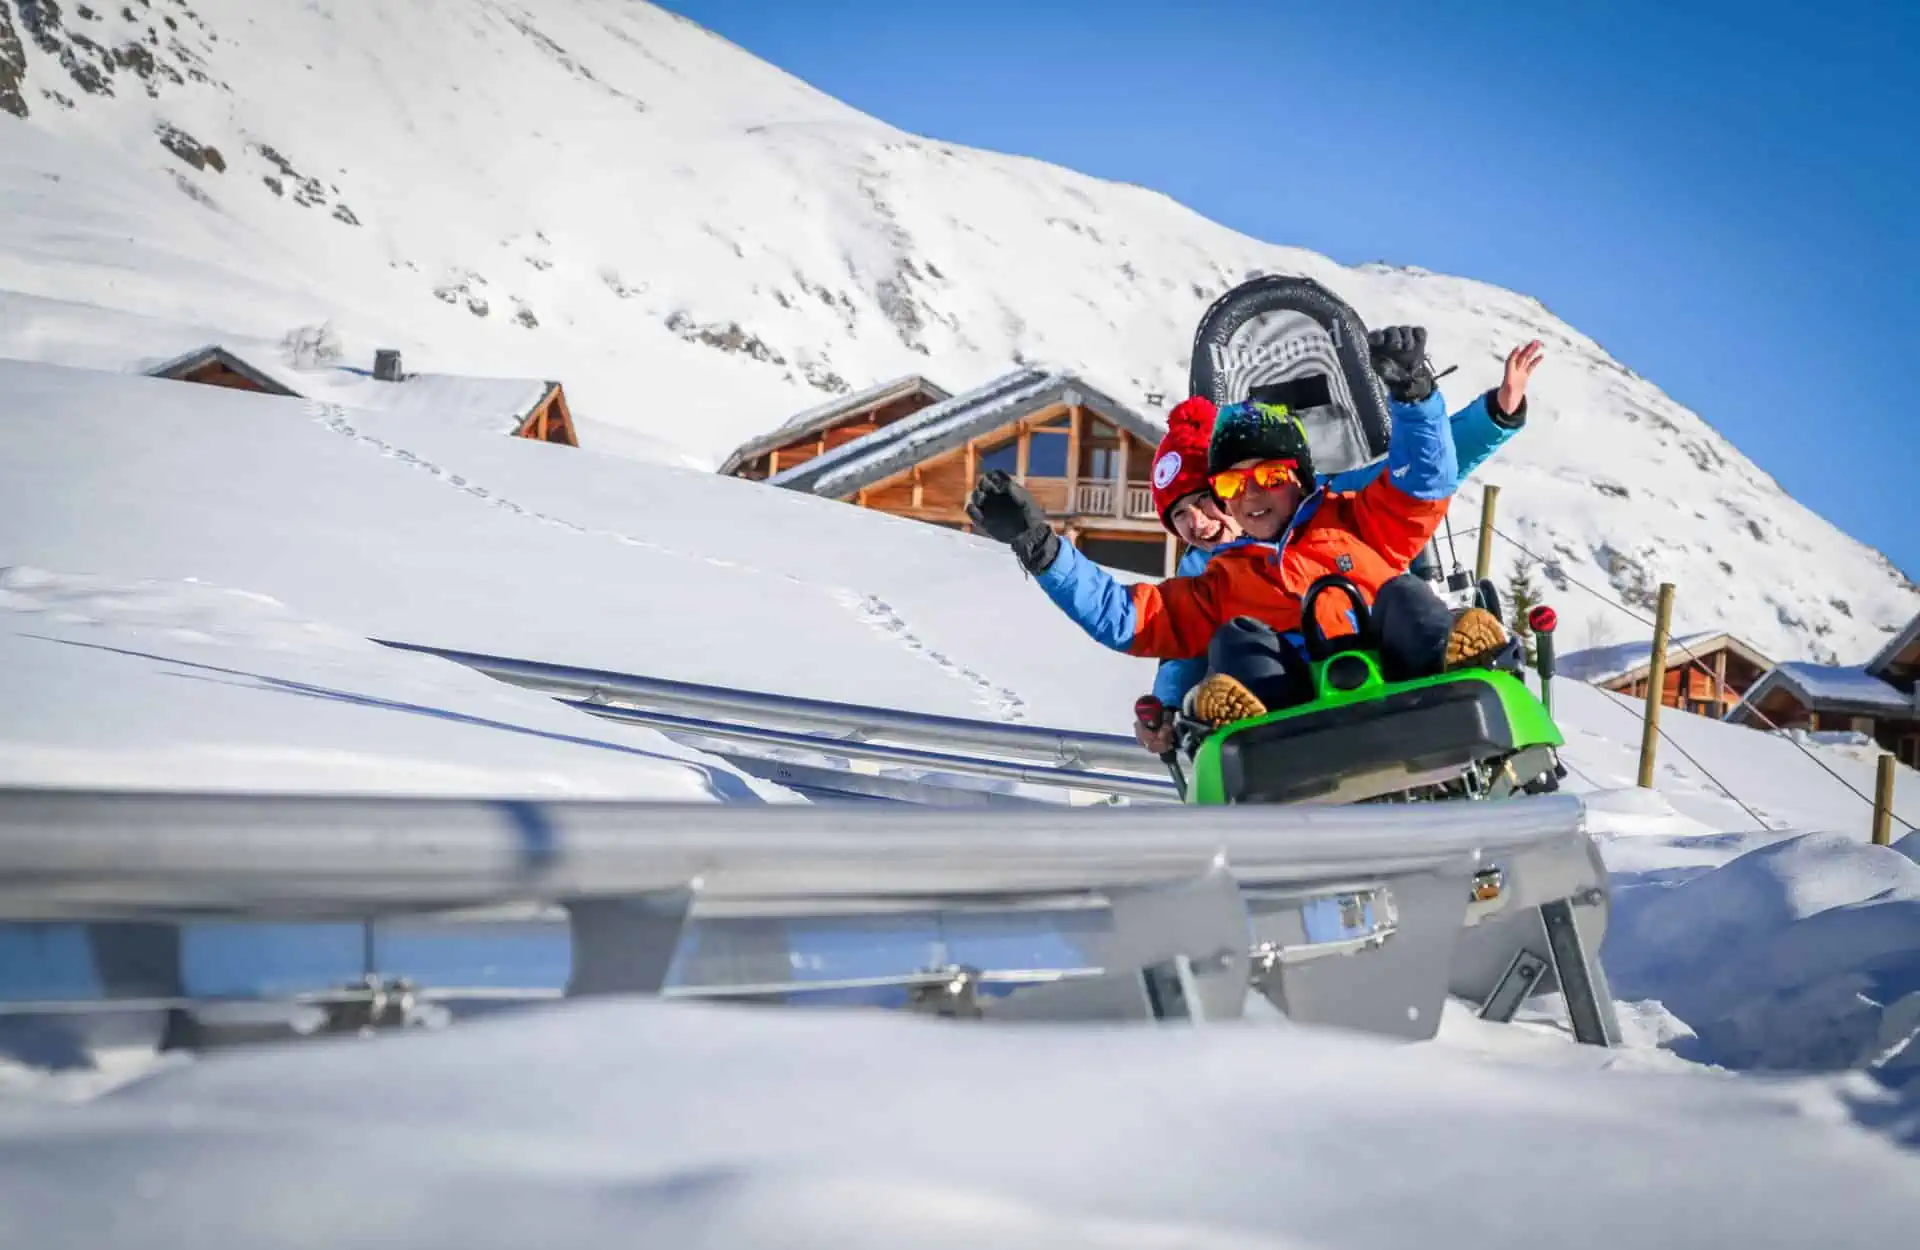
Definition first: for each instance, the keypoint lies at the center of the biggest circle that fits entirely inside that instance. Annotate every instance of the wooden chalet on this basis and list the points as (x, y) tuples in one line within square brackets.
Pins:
[(910, 449), (1707, 674), (1881, 698), (522, 408)]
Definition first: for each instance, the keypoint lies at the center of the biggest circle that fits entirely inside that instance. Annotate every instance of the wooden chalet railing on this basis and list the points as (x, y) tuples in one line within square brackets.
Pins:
[(1107, 499), (1093, 499)]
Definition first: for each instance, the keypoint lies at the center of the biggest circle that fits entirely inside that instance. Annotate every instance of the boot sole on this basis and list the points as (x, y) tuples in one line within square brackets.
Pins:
[(1476, 636), (1222, 699)]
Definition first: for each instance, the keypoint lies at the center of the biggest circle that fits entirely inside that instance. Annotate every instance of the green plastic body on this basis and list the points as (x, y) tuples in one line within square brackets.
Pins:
[(1527, 718)]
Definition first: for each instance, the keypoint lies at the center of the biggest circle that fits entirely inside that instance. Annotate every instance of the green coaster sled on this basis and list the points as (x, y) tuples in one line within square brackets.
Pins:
[(1475, 733)]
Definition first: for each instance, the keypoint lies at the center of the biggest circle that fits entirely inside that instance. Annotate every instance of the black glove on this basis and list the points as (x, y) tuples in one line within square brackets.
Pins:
[(1002, 510), (1399, 355)]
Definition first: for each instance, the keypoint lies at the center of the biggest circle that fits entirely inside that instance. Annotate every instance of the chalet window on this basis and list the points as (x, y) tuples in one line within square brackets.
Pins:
[(1005, 457), (1103, 463), (1047, 453)]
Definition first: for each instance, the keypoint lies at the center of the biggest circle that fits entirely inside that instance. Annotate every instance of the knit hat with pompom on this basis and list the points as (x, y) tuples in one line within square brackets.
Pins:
[(1180, 462)]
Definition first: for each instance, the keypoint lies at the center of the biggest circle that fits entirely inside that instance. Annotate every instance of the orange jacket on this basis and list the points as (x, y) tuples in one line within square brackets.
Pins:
[(1368, 536)]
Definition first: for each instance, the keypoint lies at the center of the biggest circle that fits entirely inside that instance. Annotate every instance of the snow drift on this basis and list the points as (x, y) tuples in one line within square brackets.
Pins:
[(1801, 953)]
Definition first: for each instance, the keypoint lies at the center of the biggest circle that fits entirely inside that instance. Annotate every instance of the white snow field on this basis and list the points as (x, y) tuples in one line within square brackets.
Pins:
[(699, 245)]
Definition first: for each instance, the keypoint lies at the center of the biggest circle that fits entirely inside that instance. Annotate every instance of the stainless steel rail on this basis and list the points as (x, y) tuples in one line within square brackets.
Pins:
[(901, 757), (1060, 748), (1363, 917), (68, 853)]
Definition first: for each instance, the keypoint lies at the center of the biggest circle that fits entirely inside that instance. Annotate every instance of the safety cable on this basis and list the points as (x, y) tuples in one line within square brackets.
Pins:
[(1688, 651)]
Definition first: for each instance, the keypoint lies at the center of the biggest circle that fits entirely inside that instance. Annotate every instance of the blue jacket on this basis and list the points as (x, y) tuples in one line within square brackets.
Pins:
[(1476, 437)]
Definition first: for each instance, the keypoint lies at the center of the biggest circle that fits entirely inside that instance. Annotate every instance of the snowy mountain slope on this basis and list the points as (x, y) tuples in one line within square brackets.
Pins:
[(700, 245)]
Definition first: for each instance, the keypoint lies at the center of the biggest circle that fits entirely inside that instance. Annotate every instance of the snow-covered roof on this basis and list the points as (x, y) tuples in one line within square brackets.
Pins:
[(1631, 659), (950, 424), (214, 354), (1831, 688), (817, 418), (493, 405), (1895, 645)]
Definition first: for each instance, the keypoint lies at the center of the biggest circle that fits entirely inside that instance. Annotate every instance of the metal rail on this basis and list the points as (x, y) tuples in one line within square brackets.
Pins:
[(69, 852), (1059, 748), (901, 757), (1363, 917)]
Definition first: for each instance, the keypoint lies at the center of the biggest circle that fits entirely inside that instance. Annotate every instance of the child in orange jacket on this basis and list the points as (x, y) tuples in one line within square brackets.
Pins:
[(1244, 609)]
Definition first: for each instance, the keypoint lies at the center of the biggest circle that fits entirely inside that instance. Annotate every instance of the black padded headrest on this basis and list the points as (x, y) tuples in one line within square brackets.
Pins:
[(1290, 340)]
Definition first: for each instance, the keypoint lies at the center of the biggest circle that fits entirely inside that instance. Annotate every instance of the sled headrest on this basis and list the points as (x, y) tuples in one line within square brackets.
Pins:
[(1291, 341)]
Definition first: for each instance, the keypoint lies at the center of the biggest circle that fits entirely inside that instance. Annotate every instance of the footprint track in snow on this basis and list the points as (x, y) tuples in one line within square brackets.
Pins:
[(871, 610), (880, 615)]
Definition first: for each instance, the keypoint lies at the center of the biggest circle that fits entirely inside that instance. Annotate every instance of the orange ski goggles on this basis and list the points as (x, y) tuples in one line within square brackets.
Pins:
[(1267, 474)]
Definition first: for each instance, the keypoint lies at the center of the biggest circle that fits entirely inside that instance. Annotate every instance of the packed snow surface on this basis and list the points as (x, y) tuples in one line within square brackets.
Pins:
[(699, 246), (632, 1124)]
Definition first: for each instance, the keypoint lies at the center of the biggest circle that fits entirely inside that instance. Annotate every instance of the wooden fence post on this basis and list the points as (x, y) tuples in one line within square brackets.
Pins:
[(1483, 565), (1656, 684), (1883, 803)]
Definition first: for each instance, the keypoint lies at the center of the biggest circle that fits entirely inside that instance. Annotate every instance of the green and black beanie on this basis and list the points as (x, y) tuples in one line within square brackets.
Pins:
[(1256, 431)]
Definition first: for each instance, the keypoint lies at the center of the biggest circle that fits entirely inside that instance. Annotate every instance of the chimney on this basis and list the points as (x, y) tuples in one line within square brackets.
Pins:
[(386, 365)]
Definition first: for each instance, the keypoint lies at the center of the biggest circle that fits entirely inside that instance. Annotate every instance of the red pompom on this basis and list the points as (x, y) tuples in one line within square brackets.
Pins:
[(1542, 619), (1193, 417)]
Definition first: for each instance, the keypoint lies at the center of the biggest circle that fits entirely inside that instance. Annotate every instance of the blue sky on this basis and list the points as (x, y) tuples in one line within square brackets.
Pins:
[(1722, 195)]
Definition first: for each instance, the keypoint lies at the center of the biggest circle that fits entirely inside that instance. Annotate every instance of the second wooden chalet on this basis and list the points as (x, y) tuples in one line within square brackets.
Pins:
[(909, 448), (1880, 698), (1707, 674)]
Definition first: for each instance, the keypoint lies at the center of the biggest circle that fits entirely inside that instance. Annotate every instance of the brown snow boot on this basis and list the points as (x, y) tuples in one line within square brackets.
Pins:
[(1477, 636), (1221, 700)]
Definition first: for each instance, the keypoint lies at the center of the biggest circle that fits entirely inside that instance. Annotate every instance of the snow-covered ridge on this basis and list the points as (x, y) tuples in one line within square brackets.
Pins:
[(700, 246)]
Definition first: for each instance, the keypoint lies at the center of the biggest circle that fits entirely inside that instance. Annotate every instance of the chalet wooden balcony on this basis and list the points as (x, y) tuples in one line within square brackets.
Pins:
[(1108, 499)]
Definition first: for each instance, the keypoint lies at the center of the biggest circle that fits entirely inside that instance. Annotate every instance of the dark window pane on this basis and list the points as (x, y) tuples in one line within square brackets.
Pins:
[(1003, 458), (1047, 455)]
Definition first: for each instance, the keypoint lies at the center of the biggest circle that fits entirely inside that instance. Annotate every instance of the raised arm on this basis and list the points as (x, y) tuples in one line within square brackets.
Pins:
[(1399, 510), (1171, 619)]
